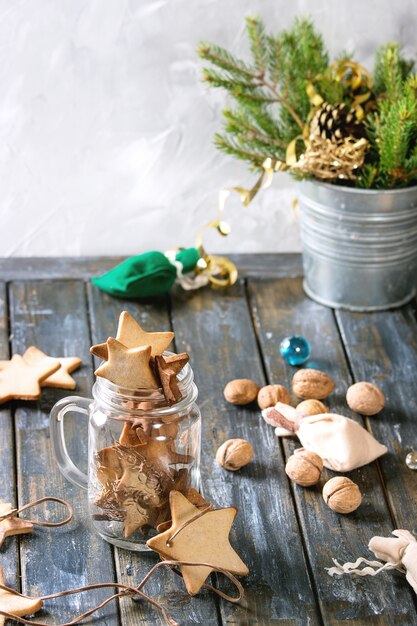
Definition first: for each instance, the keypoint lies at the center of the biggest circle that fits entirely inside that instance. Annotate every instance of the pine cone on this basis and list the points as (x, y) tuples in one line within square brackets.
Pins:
[(335, 122)]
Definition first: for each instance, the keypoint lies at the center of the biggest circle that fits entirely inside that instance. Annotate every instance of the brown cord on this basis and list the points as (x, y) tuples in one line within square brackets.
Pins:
[(127, 590), (189, 521), (36, 522)]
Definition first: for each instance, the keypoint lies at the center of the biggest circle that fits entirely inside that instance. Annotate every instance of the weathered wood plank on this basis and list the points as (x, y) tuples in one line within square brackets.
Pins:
[(131, 566), (9, 553), (29, 268), (53, 316), (382, 348), (216, 330), (280, 308)]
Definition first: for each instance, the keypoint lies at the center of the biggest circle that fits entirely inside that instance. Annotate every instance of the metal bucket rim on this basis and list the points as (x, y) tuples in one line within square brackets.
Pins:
[(379, 218), (354, 190)]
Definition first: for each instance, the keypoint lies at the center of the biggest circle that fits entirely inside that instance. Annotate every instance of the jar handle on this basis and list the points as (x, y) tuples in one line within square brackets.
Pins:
[(74, 404)]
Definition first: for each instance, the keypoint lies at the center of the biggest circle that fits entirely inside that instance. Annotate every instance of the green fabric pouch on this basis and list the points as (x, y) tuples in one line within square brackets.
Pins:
[(146, 275)]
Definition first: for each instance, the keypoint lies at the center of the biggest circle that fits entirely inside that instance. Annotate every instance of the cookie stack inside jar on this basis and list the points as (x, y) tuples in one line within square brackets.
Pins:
[(148, 442)]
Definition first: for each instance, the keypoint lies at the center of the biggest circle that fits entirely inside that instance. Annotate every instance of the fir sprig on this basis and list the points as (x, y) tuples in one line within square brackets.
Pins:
[(392, 127), (272, 107), (270, 94)]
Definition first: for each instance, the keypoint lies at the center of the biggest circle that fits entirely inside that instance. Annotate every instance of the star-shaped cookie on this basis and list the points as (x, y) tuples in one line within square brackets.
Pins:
[(12, 525), (205, 539), (137, 517), (168, 368), (128, 367), (16, 605), (133, 489), (21, 381), (132, 335), (182, 479), (141, 481), (61, 379), (157, 451)]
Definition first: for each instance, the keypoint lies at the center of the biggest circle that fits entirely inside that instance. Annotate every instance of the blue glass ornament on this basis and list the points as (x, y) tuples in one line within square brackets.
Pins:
[(295, 350)]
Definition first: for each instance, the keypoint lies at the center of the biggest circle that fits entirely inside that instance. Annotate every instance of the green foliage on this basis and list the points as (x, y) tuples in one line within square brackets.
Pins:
[(271, 100), (391, 71), (270, 97), (392, 128)]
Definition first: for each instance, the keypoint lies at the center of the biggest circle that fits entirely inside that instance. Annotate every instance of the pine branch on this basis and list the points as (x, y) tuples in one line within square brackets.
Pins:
[(272, 105), (284, 103), (225, 80), (274, 55), (261, 118), (302, 58), (331, 90), (229, 146), (397, 126), (222, 58), (239, 123), (391, 72), (258, 43), (252, 87)]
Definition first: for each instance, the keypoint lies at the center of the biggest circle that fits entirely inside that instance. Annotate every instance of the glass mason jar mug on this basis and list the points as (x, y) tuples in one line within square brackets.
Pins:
[(139, 449)]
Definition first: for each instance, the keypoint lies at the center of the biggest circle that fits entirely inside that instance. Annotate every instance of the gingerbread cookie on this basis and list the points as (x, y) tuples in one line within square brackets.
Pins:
[(168, 368), (132, 335), (199, 538), (21, 380), (133, 489), (128, 367), (15, 604), (61, 379), (12, 525), (159, 452)]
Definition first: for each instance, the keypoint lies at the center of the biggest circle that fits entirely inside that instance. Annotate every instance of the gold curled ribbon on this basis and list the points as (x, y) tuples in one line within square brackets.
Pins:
[(354, 75), (269, 166), (223, 272), (315, 98)]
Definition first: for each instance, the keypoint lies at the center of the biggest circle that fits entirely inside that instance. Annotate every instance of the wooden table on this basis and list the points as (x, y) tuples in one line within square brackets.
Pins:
[(285, 534)]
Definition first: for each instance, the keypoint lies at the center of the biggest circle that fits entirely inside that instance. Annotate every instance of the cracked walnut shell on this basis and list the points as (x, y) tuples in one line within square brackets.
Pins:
[(342, 495), (234, 454), (304, 467)]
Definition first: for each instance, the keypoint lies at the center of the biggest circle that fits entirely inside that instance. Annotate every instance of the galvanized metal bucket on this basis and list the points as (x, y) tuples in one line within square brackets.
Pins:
[(359, 246)]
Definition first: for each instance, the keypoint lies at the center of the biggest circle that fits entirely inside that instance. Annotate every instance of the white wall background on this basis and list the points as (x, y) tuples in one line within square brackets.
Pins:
[(106, 131)]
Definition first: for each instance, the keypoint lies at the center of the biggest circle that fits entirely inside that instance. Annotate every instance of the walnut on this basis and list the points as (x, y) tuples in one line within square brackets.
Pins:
[(342, 495), (234, 454), (271, 394), (304, 467), (311, 407), (365, 398), (309, 383), (241, 391)]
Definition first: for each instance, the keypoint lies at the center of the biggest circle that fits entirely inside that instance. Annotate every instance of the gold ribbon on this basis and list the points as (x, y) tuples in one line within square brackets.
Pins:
[(354, 75), (315, 98), (222, 271)]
